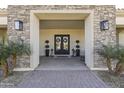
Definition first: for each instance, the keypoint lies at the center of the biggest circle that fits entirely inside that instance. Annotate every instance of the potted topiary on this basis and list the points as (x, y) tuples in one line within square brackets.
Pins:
[(47, 41), (77, 48), (77, 41), (47, 48)]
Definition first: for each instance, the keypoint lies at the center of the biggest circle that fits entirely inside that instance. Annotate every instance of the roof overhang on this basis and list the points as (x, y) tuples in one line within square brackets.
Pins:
[(61, 16)]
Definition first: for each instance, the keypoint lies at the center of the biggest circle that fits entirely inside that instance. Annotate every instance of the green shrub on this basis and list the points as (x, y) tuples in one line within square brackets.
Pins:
[(108, 52), (18, 48)]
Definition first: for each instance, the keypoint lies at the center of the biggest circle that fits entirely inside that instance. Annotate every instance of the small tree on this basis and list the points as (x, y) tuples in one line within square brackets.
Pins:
[(4, 54), (120, 57), (18, 48), (108, 53)]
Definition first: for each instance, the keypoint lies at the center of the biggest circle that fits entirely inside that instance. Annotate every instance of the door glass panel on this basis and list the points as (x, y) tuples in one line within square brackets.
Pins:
[(62, 44), (65, 43), (58, 43)]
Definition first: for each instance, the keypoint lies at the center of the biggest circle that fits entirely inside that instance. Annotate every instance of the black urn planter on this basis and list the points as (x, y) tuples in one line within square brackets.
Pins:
[(77, 48), (77, 52), (47, 46), (47, 52)]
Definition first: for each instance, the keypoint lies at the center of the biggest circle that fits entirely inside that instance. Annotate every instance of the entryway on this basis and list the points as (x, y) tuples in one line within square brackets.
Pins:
[(61, 63), (45, 24), (62, 44)]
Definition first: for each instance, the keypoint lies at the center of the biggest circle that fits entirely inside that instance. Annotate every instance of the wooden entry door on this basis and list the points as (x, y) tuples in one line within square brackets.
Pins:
[(62, 44)]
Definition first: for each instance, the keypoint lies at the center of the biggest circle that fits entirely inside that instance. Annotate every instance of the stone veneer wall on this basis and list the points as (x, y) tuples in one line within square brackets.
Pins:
[(104, 12), (104, 37)]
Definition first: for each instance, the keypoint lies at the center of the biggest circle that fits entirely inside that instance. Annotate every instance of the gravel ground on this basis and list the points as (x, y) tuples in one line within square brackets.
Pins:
[(12, 80), (111, 80)]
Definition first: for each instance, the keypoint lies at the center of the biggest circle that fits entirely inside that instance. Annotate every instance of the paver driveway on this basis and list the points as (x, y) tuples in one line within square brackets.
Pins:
[(47, 77), (62, 79)]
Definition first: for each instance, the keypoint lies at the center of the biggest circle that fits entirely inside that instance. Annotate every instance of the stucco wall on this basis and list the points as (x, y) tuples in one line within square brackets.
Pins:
[(101, 12), (48, 34), (3, 35), (121, 36), (3, 20), (119, 20)]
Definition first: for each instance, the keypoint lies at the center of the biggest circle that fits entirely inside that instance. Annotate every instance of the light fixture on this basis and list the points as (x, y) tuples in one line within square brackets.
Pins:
[(18, 25), (104, 25)]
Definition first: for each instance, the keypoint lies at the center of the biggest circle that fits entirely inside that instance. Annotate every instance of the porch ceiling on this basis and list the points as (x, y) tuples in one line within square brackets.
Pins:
[(61, 16), (61, 24)]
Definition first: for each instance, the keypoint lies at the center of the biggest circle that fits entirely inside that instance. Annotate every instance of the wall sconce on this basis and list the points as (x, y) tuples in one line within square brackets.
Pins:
[(18, 25), (104, 25)]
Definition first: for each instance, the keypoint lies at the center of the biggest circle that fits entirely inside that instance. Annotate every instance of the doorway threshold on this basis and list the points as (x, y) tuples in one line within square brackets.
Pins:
[(62, 55)]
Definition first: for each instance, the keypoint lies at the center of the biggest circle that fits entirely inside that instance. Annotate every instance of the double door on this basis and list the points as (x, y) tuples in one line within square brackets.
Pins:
[(62, 44)]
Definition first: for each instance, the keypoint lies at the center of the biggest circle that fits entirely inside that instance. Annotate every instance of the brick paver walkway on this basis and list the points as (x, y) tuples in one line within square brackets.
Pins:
[(69, 77), (62, 79)]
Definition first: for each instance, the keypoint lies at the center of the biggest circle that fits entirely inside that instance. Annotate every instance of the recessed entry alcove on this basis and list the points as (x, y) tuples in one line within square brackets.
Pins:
[(62, 29)]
